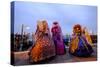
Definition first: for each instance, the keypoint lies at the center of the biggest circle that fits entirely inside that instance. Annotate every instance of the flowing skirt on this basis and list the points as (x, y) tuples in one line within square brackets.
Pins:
[(60, 48), (44, 48), (80, 47)]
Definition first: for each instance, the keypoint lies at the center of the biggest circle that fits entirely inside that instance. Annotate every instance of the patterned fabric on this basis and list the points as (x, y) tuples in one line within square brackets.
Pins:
[(57, 37), (79, 45), (87, 35), (44, 47)]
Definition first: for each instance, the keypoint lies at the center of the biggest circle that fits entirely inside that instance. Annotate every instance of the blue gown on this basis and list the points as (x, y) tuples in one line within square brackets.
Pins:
[(83, 47)]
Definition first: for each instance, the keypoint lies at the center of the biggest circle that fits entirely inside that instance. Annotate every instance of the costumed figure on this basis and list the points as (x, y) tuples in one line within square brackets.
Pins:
[(79, 45), (58, 39), (43, 47), (87, 35)]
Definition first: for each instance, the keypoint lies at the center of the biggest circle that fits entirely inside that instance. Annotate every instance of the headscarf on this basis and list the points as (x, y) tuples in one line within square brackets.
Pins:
[(42, 28), (56, 30), (77, 30)]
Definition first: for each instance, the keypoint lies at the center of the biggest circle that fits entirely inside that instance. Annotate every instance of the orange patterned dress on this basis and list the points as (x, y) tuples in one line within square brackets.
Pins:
[(43, 48)]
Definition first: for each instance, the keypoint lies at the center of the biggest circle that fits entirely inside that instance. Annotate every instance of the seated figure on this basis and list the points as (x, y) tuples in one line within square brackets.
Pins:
[(58, 39), (79, 45), (43, 47)]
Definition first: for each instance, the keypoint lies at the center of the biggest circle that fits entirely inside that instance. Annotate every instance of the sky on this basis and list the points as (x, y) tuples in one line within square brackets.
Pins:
[(28, 13)]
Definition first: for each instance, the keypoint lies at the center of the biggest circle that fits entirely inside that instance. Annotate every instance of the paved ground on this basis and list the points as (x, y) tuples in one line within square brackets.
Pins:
[(21, 58)]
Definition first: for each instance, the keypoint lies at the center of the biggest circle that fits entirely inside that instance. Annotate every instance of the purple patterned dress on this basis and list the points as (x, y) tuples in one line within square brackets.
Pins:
[(57, 38)]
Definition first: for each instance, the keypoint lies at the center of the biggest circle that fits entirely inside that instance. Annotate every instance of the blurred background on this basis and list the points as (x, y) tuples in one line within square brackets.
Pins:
[(26, 15)]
